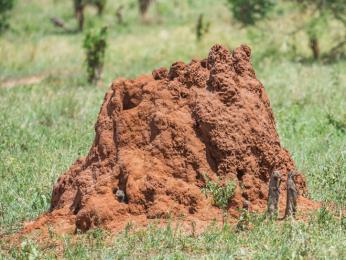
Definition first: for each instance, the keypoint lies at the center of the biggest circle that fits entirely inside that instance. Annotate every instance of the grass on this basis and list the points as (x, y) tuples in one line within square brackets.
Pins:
[(322, 236), (46, 126)]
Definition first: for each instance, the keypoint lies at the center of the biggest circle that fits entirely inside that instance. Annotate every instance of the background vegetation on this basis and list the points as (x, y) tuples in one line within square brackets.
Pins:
[(48, 110), (5, 8)]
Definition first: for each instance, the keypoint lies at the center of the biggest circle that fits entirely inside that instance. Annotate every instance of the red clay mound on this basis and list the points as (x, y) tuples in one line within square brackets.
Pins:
[(157, 136)]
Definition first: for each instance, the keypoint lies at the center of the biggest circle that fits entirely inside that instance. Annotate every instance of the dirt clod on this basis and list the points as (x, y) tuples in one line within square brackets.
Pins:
[(158, 135)]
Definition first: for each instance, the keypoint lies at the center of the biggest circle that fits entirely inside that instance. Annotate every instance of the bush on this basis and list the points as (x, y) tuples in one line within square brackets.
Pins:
[(5, 7), (95, 43), (249, 11), (221, 193)]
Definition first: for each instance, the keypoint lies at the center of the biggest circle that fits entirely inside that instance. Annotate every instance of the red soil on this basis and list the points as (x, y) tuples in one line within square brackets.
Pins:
[(156, 136)]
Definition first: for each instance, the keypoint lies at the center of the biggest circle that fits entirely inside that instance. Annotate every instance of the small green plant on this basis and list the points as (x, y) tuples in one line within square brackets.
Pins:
[(324, 216), (249, 11), (5, 7), (95, 43), (27, 250), (343, 222), (96, 237), (221, 194), (339, 125)]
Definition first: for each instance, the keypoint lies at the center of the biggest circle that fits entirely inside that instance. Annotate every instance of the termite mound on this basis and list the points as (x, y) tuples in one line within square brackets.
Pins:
[(158, 135)]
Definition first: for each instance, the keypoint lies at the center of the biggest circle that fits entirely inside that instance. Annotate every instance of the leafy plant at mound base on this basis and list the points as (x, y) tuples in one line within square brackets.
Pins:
[(95, 43), (5, 7), (221, 194), (249, 11)]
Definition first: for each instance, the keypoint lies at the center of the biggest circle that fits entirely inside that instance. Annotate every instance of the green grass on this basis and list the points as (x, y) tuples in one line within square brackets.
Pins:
[(46, 126), (321, 237)]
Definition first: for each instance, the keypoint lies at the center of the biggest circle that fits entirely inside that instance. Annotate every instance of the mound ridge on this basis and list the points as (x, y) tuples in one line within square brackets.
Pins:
[(157, 136)]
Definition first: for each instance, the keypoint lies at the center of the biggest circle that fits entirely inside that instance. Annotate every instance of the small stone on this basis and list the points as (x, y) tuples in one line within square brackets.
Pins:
[(120, 194)]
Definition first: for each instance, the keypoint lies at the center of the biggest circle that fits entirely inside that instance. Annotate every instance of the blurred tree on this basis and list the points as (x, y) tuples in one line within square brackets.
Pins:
[(320, 14), (119, 15), (202, 27), (143, 8), (79, 6), (95, 43), (5, 7), (249, 11)]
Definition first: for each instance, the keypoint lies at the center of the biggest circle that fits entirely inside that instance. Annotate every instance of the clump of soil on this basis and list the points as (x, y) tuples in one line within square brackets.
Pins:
[(157, 136)]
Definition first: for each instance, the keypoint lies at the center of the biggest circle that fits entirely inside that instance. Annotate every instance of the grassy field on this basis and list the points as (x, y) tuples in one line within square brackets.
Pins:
[(46, 126)]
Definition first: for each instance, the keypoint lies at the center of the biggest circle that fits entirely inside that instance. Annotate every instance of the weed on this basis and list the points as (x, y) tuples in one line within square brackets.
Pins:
[(221, 194), (340, 125), (324, 216)]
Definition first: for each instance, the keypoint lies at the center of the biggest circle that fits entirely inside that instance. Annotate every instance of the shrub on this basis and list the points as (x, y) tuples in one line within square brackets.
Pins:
[(95, 43), (5, 7), (221, 194), (249, 11)]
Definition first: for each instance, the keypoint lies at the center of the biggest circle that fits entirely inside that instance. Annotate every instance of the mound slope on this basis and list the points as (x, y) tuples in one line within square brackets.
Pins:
[(157, 136)]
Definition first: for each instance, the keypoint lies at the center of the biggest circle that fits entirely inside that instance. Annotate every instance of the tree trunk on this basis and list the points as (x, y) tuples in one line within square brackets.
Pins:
[(143, 8), (315, 48)]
